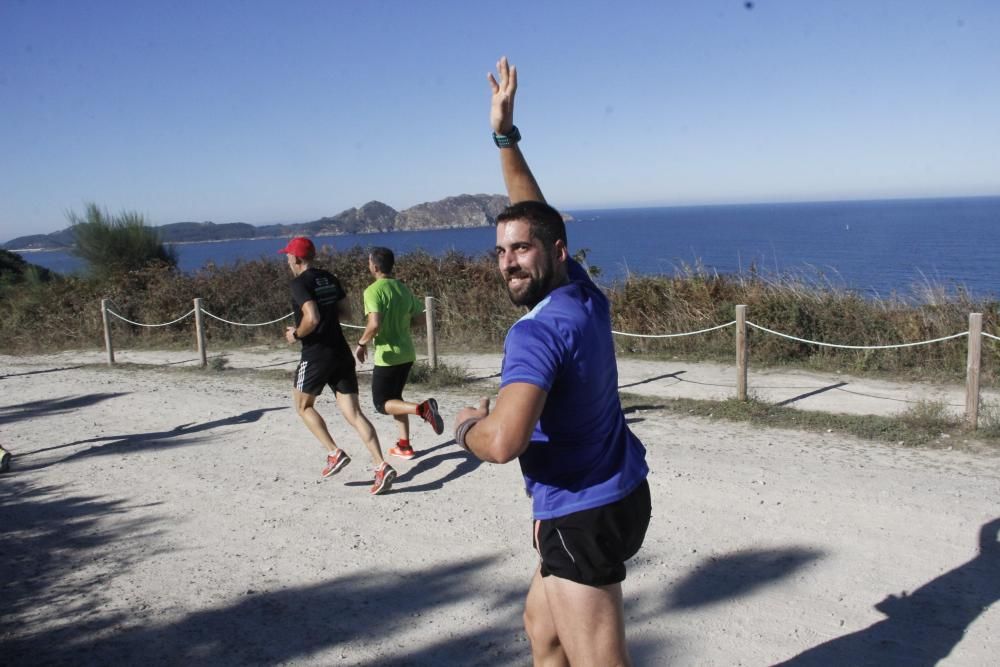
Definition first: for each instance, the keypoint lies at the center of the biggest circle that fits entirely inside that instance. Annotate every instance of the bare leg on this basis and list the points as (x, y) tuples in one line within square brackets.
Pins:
[(589, 621), (351, 409), (401, 411), (403, 424), (546, 651), (313, 420)]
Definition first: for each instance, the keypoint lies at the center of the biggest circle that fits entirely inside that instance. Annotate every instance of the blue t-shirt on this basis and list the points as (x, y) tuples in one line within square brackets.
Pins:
[(582, 454)]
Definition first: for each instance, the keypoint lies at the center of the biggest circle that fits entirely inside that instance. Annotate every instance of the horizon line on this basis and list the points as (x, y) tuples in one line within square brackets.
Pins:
[(602, 207)]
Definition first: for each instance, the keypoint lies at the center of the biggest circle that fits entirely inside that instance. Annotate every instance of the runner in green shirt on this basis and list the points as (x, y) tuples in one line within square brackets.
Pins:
[(390, 309)]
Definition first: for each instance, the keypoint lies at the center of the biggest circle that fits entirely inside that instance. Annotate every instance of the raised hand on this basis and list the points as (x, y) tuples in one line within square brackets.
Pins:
[(502, 106)]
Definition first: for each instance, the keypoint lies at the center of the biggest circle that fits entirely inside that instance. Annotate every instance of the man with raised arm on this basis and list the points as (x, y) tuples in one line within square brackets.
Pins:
[(558, 413), (319, 302)]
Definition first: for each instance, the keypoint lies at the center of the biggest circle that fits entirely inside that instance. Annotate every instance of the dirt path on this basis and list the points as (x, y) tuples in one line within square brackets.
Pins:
[(179, 518)]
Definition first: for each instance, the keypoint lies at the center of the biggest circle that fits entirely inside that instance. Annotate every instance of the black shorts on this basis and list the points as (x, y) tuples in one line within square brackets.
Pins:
[(388, 383), (312, 375), (590, 547)]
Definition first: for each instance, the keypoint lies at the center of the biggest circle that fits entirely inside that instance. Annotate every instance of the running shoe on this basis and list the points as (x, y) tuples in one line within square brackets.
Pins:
[(428, 411), (336, 462), (384, 475), (402, 452)]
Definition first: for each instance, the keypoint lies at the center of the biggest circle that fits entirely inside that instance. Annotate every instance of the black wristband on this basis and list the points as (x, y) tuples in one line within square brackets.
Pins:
[(509, 139), (463, 430)]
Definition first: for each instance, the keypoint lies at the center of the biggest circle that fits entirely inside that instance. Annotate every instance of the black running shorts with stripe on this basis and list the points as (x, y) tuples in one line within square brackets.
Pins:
[(312, 375), (591, 547)]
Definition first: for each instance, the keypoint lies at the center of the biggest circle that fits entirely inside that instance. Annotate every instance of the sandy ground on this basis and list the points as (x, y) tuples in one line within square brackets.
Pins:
[(164, 516)]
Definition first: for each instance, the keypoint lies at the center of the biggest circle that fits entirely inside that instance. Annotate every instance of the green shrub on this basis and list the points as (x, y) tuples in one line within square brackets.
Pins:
[(444, 375), (472, 311), (115, 244)]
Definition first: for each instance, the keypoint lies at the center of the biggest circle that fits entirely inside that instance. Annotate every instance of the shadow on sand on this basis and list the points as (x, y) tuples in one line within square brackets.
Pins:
[(183, 434), (426, 461), (924, 627), (814, 392), (665, 376), (48, 534), (727, 577), (51, 406), (40, 371)]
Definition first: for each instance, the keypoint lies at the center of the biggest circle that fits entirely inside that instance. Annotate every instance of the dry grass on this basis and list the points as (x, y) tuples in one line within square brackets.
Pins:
[(924, 424), (473, 312), (806, 309)]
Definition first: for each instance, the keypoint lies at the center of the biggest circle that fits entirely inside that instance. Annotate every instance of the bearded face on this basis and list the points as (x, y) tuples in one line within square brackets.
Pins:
[(529, 268)]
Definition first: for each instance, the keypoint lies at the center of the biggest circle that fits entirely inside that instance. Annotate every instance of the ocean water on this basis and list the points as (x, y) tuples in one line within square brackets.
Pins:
[(875, 247)]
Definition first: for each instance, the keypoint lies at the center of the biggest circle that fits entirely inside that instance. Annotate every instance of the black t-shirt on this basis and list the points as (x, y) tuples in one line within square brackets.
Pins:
[(322, 287)]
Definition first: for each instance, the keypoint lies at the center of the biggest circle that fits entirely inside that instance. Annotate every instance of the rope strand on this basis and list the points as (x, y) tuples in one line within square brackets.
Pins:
[(857, 347), (241, 324), (676, 335), (139, 324)]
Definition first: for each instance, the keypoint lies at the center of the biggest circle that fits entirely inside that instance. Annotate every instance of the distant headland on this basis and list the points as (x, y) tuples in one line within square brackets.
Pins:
[(448, 213)]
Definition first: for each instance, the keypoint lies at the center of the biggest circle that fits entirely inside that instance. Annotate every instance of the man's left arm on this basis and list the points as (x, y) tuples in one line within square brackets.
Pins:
[(372, 325), (418, 316), (308, 324)]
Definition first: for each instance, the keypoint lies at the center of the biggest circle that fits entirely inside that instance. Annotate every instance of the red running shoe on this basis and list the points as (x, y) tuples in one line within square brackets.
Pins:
[(336, 462), (403, 452), (428, 411), (384, 475)]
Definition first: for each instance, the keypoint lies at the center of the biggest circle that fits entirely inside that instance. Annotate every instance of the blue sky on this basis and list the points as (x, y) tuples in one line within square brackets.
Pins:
[(288, 111)]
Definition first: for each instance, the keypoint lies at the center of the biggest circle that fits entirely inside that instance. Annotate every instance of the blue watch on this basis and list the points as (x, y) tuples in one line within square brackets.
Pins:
[(509, 139)]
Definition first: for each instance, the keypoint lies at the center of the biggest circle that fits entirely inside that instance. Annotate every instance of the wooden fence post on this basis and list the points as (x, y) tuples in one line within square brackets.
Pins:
[(107, 333), (972, 368), (432, 354), (199, 326), (741, 353)]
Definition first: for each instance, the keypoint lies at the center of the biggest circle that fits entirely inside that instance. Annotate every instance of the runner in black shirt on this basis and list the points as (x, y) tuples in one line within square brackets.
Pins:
[(319, 301)]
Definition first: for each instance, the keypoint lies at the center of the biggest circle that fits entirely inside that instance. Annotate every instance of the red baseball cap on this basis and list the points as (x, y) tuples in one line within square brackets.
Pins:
[(299, 246)]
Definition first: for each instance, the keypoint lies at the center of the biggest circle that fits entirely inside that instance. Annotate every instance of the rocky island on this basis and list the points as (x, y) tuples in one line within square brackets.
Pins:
[(448, 213)]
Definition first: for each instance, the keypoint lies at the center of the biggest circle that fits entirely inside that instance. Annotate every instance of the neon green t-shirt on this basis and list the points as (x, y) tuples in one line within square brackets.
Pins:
[(397, 305)]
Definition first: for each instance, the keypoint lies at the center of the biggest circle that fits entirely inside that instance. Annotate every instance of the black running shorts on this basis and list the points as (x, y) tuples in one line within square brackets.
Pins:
[(388, 383), (590, 547), (311, 376)]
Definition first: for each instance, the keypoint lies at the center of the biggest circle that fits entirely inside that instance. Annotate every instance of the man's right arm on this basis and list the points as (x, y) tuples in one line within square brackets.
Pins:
[(504, 434), (520, 182)]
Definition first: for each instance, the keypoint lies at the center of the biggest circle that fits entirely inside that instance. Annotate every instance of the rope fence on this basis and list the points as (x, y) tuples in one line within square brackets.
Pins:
[(975, 334), (198, 311)]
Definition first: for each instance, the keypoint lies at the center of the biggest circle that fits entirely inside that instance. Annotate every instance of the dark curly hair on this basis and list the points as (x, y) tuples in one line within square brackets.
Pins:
[(546, 223)]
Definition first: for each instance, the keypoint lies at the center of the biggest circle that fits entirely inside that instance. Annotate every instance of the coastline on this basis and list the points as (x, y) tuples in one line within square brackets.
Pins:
[(933, 248)]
